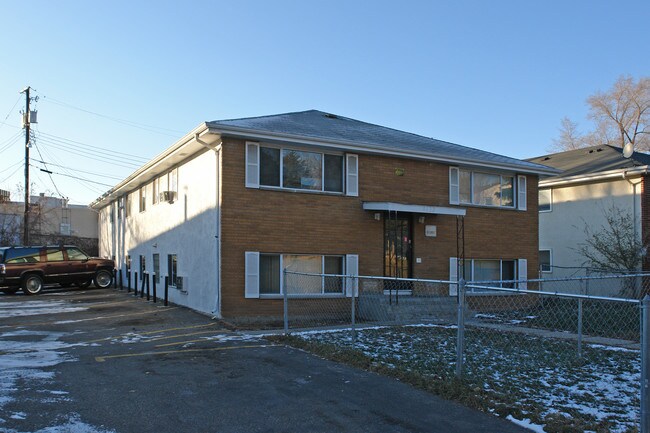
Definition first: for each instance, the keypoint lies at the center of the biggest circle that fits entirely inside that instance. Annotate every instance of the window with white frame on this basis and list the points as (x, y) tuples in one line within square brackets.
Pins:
[(143, 199), (128, 205), (545, 200), (491, 270), (264, 275), (155, 185), (270, 275), (297, 169), (486, 189), (172, 269), (545, 261)]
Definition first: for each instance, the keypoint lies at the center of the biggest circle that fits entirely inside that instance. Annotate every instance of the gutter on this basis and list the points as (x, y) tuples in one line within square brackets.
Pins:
[(374, 149), (605, 175)]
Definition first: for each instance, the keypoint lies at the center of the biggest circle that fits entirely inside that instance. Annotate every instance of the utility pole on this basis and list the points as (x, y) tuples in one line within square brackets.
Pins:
[(26, 121)]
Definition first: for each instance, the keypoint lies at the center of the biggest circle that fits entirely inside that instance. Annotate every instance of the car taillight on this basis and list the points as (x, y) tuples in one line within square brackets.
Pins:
[(2, 269)]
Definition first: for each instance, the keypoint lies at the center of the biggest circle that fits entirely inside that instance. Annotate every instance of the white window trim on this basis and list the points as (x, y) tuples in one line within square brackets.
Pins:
[(522, 192), (550, 201), (281, 148), (490, 292), (454, 188), (250, 182), (253, 290), (550, 261)]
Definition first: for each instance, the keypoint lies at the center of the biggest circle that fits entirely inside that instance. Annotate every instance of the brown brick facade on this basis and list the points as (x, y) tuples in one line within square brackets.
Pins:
[(303, 223)]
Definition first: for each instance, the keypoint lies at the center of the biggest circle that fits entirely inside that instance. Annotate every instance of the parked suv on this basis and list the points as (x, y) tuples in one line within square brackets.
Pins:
[(30, 268)]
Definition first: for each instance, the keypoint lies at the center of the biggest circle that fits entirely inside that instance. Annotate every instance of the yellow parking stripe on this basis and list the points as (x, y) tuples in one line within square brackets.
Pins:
[(177, 343), (167, 337), (131, 355)]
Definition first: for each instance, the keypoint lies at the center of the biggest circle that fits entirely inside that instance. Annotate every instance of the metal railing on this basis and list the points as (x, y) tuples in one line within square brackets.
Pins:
[(529, 340)]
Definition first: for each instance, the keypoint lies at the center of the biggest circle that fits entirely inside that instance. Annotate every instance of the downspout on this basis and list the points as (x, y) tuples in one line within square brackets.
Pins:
[(216, 147), (634, 206)]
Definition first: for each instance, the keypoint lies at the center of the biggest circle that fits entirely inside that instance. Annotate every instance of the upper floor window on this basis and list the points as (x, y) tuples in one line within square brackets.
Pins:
[(486, 189), (143, 199), (545, 200), (300, 170)]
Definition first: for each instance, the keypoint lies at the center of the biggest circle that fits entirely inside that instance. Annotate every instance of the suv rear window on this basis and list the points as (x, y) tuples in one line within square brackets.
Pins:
[(23, 255), (54, 255)]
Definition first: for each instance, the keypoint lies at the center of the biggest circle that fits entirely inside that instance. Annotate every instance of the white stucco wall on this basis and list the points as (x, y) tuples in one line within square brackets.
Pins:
[(188, 228), (562, 229)]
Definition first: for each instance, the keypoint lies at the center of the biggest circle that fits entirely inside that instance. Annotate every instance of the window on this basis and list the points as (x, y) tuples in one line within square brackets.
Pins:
[(120, 207), (172, 181), (128, 205), (155, 185), (143, 199), (482, 189), (143, 266), (54, 255), (545, 200), (23, 255), (76, 254), (545, 261), (297, 169), (156, 268), (270, 275), (172, 267), (491, 270)]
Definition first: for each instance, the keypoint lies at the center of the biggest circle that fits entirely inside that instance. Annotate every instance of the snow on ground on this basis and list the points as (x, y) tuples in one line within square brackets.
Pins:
[(543, 379), (70, 424), (34, 308)]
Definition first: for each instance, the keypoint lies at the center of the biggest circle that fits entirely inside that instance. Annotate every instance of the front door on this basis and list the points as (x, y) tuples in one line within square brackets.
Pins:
[(398, 245)]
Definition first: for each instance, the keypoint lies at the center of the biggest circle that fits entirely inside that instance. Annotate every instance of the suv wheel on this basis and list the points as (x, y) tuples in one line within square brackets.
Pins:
[(32, 284), (103, 278)]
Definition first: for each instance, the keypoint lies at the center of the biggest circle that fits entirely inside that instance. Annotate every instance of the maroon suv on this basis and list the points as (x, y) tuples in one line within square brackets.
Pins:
[(30, 268)]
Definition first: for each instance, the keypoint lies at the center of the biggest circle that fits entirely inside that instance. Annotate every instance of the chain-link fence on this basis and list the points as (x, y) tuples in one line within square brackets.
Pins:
[(541, 349)]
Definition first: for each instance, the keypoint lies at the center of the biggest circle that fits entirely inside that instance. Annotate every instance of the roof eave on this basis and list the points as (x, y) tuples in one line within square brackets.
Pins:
[(622, 173), (254, 134)]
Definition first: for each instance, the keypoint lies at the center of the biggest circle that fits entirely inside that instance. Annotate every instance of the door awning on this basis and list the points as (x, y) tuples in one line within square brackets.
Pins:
[(413, 208)]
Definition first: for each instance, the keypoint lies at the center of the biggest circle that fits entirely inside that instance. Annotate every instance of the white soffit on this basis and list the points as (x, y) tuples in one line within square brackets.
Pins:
[(413, 208)]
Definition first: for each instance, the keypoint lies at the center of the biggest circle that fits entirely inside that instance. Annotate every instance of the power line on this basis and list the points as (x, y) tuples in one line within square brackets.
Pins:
[(145, 127), (10, 142), (88, 155), (9, 113), (89, 187), (73, 177), (8, 177), (12, 166), (49, 174), (100, 149), (108, 176)]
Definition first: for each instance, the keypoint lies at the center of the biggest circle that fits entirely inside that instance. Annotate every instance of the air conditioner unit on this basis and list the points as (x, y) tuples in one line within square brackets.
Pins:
[(181, 283), (168, 196)]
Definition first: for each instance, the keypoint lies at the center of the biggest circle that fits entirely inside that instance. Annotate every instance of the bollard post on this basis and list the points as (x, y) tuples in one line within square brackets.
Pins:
[(286, 302), (121, 282), (460, 336), (115, 278), (580, 328), (154, 288), (135, 284), (645, 365), (147, 286), (144, 277), (128, 281), (166, 290)]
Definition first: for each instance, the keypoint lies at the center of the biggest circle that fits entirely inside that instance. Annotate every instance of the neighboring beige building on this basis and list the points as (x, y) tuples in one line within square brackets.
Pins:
[(593, 180), (52, 221)]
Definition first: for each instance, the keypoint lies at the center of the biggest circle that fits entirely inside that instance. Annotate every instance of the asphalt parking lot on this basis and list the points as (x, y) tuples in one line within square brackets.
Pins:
[(104, 361)]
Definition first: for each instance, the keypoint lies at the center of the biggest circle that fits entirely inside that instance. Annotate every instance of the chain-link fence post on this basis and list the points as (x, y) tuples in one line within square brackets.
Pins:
[(580, 328), (353, 310), (460, 336), (286, 302), (645, 365)]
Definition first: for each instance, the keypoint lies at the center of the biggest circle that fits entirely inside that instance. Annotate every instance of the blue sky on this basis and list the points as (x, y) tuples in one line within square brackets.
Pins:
[(496, 75)]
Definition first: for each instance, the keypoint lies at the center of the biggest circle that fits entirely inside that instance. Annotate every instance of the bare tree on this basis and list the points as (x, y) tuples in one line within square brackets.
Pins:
[(614, 247), (620, 115)]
